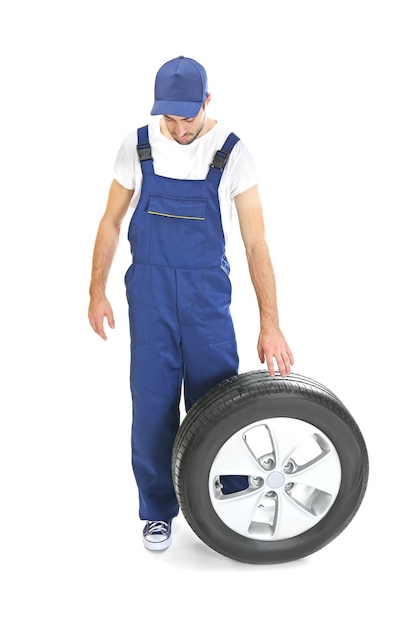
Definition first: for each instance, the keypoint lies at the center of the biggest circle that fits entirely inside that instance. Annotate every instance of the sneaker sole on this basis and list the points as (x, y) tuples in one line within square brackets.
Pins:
[(157, 545)]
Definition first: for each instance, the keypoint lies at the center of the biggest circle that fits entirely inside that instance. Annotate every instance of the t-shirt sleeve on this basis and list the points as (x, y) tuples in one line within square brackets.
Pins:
[(124, 171), (242, 172)]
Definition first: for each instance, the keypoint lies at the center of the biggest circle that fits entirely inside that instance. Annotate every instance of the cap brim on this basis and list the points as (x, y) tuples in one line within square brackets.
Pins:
[(182, 109)]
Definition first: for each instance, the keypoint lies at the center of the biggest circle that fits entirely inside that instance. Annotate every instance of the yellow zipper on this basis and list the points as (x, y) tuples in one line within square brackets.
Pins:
[(182, 217)]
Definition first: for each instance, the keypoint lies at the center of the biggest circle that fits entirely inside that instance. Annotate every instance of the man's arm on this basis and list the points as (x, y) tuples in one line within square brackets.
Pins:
[(271, 341), (106, 244)]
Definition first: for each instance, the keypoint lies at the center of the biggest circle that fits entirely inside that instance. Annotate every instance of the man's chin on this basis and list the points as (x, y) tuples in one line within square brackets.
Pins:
[(185, 141)]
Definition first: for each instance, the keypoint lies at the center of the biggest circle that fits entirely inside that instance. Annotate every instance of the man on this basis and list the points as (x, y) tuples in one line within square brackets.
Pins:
[(182, 174)]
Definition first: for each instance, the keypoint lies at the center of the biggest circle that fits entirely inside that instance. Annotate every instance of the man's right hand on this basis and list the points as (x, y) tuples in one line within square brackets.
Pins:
[(100, 309)]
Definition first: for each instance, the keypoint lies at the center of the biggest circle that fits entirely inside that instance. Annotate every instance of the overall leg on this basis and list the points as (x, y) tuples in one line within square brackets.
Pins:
[(208, 342), (156, 376), (154, 427)]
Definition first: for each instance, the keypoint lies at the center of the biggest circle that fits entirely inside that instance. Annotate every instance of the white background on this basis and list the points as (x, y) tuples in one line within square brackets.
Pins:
[(323, 94)]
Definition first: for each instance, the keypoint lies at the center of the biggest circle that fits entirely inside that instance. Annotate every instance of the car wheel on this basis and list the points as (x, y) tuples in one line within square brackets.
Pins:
[(269, 470)]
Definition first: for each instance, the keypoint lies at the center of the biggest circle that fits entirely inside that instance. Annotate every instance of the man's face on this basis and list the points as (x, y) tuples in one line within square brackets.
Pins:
[(184, 130)]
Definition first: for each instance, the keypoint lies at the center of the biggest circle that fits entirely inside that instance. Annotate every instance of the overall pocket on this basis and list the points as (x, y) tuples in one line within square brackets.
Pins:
[(177, 231)]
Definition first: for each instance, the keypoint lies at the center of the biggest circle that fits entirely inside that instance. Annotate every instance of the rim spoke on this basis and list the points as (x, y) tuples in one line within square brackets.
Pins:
[(237, 510), (235, 458), (324, 474), (289, 435), (291, 519)]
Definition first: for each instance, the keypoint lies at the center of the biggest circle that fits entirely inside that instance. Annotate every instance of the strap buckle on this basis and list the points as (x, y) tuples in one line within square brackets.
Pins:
[(144, 152), (219, 160)]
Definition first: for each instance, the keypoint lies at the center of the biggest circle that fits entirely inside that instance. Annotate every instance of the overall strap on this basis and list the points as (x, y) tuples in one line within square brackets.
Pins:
[(220, 159), (144, 151)]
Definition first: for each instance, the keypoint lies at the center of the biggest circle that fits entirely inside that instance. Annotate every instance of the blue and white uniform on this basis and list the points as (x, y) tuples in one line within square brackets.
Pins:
[(179, 296)]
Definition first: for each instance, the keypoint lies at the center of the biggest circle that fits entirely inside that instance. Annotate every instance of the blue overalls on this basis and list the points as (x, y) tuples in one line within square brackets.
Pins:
[(179, 295)]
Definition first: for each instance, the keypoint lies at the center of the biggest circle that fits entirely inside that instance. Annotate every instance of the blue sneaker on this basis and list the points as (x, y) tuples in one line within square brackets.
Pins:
[(157, 535)]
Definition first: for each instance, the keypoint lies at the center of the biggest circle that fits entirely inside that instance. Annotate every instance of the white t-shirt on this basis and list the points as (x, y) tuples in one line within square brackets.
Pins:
[(188, 162)]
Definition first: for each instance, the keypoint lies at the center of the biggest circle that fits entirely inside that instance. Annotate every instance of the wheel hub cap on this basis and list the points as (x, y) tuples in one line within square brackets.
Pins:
[(275, 480)]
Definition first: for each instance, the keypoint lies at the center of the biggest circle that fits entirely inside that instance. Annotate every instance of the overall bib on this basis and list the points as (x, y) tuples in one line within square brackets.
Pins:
[(179, 294)]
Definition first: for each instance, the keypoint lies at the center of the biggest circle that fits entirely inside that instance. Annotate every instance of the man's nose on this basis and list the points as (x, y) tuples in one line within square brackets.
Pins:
[(180, 130)]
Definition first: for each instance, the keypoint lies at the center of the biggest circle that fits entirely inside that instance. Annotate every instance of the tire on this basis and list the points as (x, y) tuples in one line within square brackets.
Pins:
[(269, 470)]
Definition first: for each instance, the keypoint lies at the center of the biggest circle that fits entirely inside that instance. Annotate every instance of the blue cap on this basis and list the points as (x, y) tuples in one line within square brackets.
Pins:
[(180, 88)]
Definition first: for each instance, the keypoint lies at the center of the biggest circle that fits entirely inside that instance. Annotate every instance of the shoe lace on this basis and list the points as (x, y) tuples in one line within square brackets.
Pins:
[(158, 527)]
